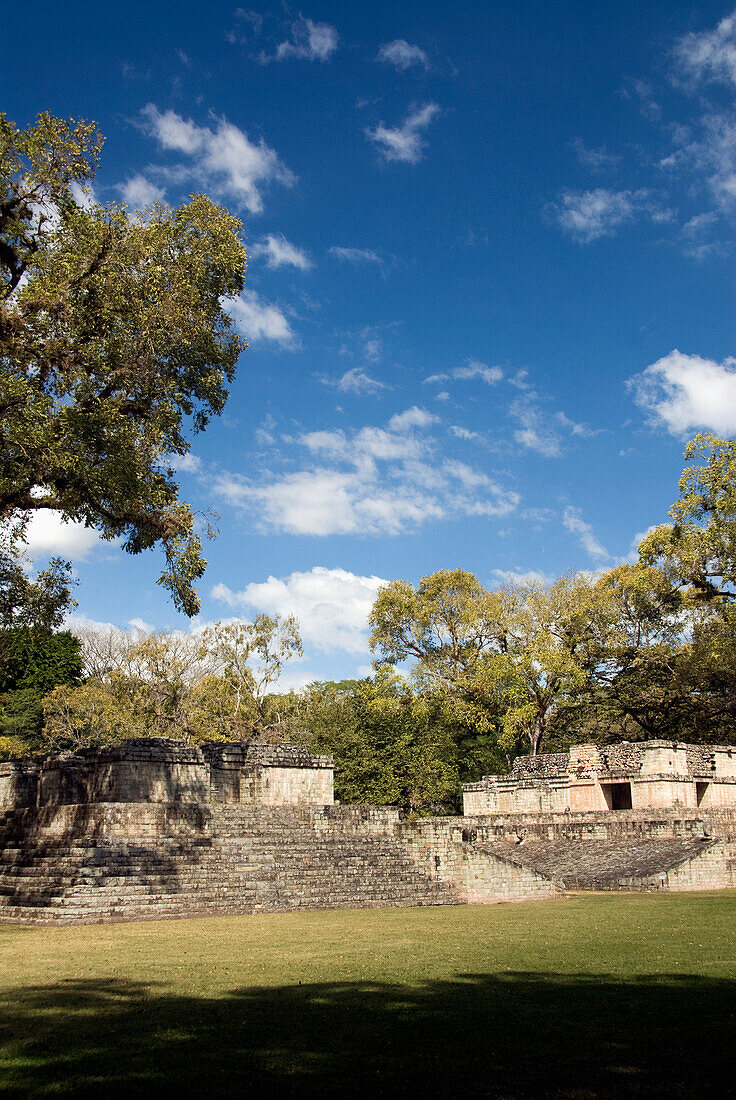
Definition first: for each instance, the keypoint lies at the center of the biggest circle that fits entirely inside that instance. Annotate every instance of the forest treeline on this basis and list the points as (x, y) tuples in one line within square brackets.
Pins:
[(465, 678)]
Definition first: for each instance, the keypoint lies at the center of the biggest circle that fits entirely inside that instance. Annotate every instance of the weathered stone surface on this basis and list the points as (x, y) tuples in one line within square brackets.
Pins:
[(170, 771), (158, 829), (641, 775), (632, 850), (605, 865), (235, 859)]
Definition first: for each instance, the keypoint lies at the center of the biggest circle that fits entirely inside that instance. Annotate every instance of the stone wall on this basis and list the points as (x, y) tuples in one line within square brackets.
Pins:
[(642, 775), (621, 827), (662, 850), (159, 770), (446, 849), (158, 829), (98, 862), (18, 783)]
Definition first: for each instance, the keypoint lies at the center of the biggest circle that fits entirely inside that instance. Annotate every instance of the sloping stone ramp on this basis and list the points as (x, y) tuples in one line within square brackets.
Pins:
[(612, 865)]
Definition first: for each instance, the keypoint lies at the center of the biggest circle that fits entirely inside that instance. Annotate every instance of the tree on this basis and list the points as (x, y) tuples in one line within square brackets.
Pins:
[(199, 687), (250, 658), (695, 557), (698, 549), (551, 643), (113, 340), (634, 687), (35, 660), (391, 745), (40, 602), (145, 691), (448, 625), (508, 659)]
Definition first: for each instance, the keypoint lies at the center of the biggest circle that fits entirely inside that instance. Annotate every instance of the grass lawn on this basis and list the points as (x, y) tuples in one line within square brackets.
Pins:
[(596, 995)]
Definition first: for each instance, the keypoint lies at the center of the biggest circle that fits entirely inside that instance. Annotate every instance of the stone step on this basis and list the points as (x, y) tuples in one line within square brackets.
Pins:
[(234, 902), (249, 859)]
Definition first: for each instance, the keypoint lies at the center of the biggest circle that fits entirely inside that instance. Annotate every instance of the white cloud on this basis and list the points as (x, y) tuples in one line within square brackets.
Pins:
[(259, 320), (78, 622), (404, 143), (708, 146), (402, 55), (717, 152), (367, 445), (698, 241), (356, 256), (412, 418), (699, 225), (309, 41), (141, 626), (369, 482), (357, 381), (523, 577), (687, 392), (174, 132), (139, 192), (588, 215), (83, 194), (48, 535), (710, 55), (474, 369), (280, 253), (535, 433), (711, 155), (574, 428), (242, 15), (184, 464), (574, 523), (332, 605), (224, 159), (332, 502), (472, 479), (535, 440), (464, 433), (595, 159), (373, 350), (641, 92)]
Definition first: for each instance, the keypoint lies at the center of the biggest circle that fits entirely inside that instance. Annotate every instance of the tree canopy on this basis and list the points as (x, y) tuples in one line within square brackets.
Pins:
[(212, 685), (509, 658), (114, 341), (698, 549)]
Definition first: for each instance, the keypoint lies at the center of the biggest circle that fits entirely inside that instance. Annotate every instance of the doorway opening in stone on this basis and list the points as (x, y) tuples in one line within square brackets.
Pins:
[(701, 789), (617, 795)]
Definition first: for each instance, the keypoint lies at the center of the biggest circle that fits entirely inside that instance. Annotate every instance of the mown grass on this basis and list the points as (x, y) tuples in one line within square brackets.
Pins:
[(596, 995)]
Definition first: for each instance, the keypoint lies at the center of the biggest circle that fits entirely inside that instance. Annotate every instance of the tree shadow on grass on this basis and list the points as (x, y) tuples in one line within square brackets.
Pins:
[(499, 1035)]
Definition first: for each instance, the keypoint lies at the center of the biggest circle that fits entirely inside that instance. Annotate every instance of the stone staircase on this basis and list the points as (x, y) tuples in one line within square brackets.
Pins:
[(250, 859)]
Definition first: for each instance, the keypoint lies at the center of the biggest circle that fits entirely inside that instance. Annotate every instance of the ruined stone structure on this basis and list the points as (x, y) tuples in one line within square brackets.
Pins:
[(629, 776), (163, 771), (649, 815), (157, 828)]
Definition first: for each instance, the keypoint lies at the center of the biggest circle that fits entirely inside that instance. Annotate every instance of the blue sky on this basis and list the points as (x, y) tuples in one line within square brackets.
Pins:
[(490, 288)]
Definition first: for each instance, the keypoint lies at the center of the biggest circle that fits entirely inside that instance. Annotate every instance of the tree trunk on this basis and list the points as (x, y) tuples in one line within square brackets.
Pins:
[(536, 736)]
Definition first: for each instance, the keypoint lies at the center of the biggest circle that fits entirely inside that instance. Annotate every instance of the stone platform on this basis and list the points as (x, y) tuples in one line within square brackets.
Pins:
[(107, 862), (159, 829)]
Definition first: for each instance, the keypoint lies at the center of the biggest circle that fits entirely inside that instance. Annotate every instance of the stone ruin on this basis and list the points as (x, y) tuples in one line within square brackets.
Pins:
[(644, 775), (158, 828)]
